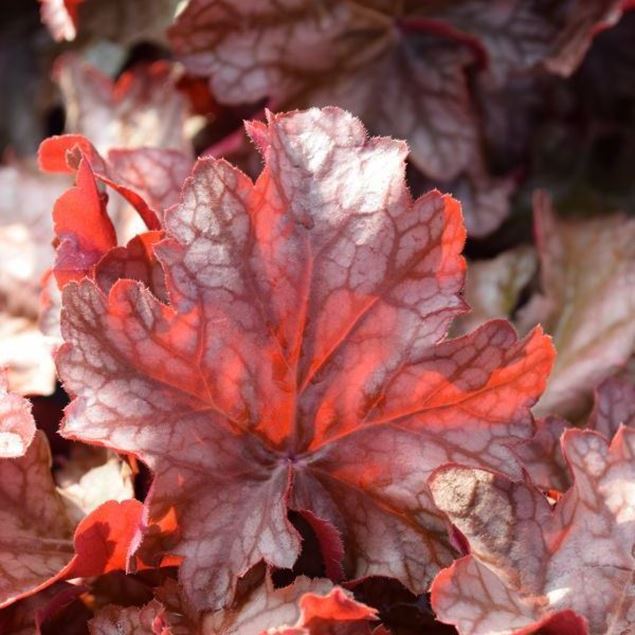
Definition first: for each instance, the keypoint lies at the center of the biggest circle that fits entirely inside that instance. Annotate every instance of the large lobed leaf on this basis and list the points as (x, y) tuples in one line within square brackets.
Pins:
[(528, 562), (401, 66), (299, 362), (347, 53)]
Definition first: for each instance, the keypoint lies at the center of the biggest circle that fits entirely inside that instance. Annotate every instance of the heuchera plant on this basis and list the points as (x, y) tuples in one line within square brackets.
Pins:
[(271, 411)]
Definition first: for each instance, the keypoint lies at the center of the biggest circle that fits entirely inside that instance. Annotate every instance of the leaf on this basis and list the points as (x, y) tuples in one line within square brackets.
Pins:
[(135, 261), (26, 200), (307, 607), (149, 179), (67, 153), (529, 561), (516, 36), (318, 612), (519, 36), (301, 341), (17, 426), (116, 20), (583, 22), (486, 200), (402, 82), (104, 539), (142, 108), (614, 404), (493, 286), (542, 456), (117, 620), (29, 615), (400, 66), (35, 534), (35, 529), (82, 226), (587, 271), (91, 476)]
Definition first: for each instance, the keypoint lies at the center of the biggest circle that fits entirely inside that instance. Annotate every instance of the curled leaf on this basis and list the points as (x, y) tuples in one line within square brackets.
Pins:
[(529, 561)]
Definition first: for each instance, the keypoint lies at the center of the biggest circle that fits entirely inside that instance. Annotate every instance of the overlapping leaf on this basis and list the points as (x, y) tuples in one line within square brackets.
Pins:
[(530, 562), (26, 199), (141, 109), (587, 304), (116, 620), (345, 53), (299, 362), (37, 545), (542, 456), (147, 178), (403, 67), (306, 607), (493, 286), (90, 477), (35, 534)]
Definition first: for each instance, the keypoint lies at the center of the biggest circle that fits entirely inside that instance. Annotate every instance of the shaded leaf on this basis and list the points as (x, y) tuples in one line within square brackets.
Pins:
[(349, 54), (35, 534), (486, 200), (29, 615), (614, 404), (142, 108), (583, 22), (542, 456), (104, 538), (587, 275)]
